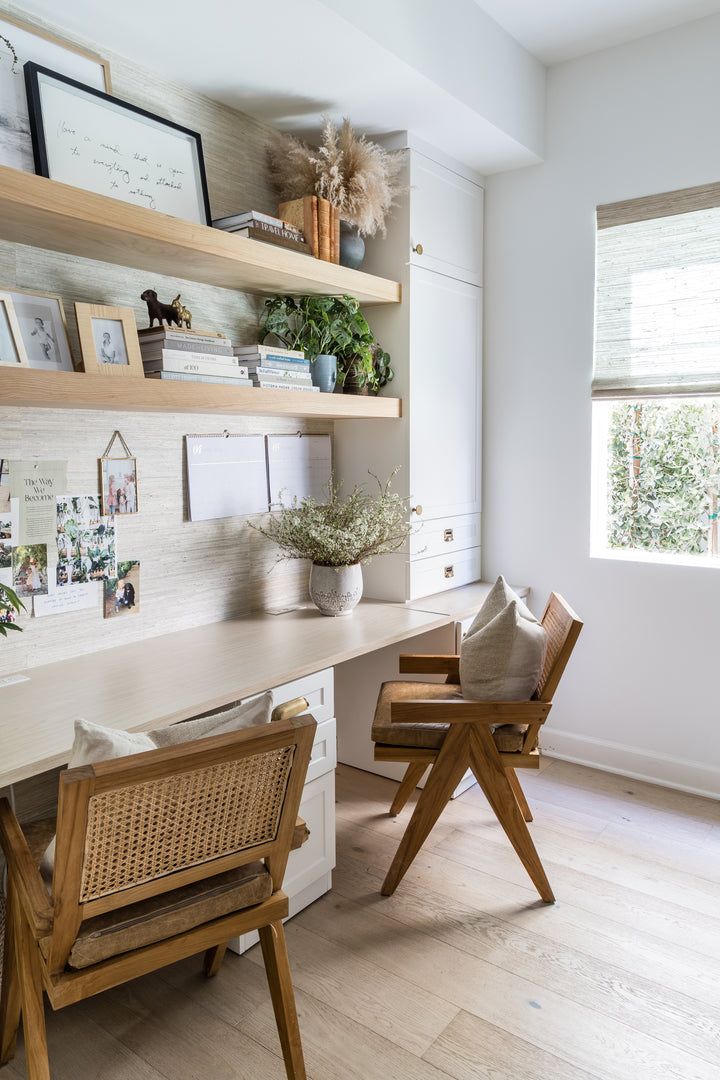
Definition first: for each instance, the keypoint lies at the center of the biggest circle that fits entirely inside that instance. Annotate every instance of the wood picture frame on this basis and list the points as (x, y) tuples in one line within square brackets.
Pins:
[(97, 142), (109, 341), (29, 42), (12, 350), (46, 349)]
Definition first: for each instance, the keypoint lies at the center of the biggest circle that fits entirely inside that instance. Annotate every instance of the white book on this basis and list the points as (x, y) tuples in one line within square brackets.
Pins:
[(266, 384), (235, 221), (194, 364), (185, 376), (267, 350), (275, 375)]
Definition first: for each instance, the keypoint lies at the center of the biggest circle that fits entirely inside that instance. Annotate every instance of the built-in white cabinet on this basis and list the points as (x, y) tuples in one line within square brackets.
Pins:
[(434, 247)]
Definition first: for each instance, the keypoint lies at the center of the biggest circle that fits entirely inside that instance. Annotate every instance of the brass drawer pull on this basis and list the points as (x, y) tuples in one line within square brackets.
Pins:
[(449, 571), (448, 536), (418, 249), (417, 510)]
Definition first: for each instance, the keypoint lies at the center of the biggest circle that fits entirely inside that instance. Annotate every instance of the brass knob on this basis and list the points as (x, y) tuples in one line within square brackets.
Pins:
[(418, 249), (416, 510)]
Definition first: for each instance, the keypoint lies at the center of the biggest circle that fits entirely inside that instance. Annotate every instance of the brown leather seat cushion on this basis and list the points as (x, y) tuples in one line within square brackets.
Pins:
[(508, 737), (163, 916)]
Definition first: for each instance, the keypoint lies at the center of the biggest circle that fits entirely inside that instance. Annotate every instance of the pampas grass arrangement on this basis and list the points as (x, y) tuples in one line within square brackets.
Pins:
[(356, 175)]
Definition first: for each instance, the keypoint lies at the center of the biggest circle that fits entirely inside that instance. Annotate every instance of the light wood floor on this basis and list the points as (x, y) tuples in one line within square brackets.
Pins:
[(461, 973)]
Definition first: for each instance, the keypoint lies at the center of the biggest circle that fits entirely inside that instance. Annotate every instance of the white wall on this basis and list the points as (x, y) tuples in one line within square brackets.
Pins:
[(641, 694)]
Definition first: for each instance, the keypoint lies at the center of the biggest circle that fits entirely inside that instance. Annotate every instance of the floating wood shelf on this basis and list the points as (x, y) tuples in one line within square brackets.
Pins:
[(46, 214), (34, 389)]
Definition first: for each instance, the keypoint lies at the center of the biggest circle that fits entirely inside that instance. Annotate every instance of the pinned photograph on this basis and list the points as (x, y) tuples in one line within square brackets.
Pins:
[(41, 318), (122, 593), (4, 486), (29, 570), (109, 340), (85, 541), (119, 485)]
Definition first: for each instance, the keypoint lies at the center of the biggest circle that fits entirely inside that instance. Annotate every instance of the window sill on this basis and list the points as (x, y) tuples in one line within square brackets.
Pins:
[(707, 562)]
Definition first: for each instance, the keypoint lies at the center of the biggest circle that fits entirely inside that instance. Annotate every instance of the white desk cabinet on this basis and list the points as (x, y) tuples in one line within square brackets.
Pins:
[(434, 246)]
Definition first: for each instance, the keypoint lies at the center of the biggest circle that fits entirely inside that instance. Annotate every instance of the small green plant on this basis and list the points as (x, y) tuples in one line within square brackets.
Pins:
[(331, 326), (340, 532), (10, 606)]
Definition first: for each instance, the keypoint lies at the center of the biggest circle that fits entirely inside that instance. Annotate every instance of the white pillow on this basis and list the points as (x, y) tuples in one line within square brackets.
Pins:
[(93, 742), (496, 601), (501, 656)]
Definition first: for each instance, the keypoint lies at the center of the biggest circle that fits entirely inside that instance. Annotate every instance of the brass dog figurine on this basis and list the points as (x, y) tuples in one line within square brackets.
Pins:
[(182, 312)]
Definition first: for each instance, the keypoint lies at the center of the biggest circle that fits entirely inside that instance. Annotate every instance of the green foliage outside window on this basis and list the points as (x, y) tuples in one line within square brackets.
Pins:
[(664, 476)]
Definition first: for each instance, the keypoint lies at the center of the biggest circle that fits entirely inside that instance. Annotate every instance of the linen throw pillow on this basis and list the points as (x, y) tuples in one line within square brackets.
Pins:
[(502, 654), (93, 742)]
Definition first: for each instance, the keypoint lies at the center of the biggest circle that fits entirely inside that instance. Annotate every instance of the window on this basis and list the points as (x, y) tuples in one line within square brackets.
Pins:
[(656, 382)]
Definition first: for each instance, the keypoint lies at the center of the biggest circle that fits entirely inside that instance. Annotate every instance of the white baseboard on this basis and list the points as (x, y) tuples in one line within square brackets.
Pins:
[(693, 776)]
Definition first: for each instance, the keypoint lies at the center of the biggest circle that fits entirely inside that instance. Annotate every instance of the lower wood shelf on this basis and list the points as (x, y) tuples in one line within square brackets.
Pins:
[(31, 389)]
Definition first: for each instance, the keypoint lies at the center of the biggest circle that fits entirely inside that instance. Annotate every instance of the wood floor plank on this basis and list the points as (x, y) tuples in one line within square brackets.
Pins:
[(472, 1049), (648, 1006), (408, 1015)]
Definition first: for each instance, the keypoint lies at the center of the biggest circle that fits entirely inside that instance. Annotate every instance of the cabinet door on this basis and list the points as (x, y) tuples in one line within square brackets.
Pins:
[(445, 390), (446, 220)]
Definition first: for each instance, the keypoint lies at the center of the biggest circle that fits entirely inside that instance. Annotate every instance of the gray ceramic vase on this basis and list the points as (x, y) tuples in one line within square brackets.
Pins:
[(336, 590), (324, 372), (352, 246)]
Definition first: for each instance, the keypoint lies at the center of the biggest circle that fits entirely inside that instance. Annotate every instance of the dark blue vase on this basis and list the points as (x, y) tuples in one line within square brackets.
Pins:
[(352, 246)]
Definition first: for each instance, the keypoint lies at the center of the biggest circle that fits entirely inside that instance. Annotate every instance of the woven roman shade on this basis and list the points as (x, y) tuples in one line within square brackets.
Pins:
[(657, 307)]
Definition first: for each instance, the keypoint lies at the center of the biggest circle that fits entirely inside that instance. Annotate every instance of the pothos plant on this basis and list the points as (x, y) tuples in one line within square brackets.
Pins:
[(10, 606), (330, 326)]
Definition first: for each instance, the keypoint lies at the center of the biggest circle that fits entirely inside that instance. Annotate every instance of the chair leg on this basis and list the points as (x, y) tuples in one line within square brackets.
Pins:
[(277, 967), (31, 993), (450, 766), (213, 959), (493, 780), (10, 990), (409, 782), (519, 794)]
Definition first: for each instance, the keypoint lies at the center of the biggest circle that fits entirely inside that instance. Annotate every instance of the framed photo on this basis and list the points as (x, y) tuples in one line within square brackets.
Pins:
[(28, 42), (12, 350), (109, 340), (41, 318), (91, 140), (119, 485)]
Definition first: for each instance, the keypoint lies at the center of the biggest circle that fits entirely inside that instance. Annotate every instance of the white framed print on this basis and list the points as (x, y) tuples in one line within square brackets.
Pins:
[(93, 141), (20, 42), (12, 350), (43, 329)]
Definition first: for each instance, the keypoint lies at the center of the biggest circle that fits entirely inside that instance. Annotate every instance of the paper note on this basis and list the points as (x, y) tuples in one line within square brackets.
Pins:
[(74, 598), (36, 485), (227, 476), (299, 467)]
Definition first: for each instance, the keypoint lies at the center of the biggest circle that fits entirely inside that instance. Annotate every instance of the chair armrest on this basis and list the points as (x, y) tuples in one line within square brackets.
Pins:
[(32, 893), (288, 709), (430, 664), (301, 833), (464, 712)]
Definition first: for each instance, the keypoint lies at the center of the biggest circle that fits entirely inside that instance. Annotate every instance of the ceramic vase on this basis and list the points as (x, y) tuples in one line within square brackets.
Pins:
[(336, 590), (352, 246), (324, 372)]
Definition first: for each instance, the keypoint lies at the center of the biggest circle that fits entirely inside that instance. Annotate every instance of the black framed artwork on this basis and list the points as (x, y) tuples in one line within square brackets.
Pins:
[(89, 139)]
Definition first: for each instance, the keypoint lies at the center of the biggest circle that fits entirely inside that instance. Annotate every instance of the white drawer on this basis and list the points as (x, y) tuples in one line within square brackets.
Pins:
[(323, 758), (317, 688), (445, 535), (428, 576)]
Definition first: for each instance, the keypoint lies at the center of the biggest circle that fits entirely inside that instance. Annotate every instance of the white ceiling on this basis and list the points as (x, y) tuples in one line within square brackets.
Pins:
[(557, 30)]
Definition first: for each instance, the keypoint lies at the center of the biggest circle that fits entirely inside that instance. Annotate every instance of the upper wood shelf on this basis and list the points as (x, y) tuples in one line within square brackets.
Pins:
[(46, 214), (31, 388)]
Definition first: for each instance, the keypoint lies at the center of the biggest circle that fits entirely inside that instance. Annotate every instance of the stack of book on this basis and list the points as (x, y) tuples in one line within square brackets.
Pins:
[(274, 368), (191, 356), (319, 221), (273, 230)]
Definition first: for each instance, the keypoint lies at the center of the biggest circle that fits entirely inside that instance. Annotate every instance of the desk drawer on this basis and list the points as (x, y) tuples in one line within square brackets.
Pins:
[(323, 758), (443, 536), (317, 688), (428, 576)]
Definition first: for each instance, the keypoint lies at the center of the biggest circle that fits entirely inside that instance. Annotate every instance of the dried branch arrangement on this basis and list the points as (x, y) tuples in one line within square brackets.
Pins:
[(355, 174)]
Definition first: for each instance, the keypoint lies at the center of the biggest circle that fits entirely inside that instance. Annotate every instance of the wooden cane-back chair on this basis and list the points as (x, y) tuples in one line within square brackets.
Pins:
[(158, 856), (432, 724)]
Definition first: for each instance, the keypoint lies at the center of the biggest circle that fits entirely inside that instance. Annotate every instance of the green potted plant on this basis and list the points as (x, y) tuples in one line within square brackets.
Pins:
[(327, 329), (337, 537), (10, 606)]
